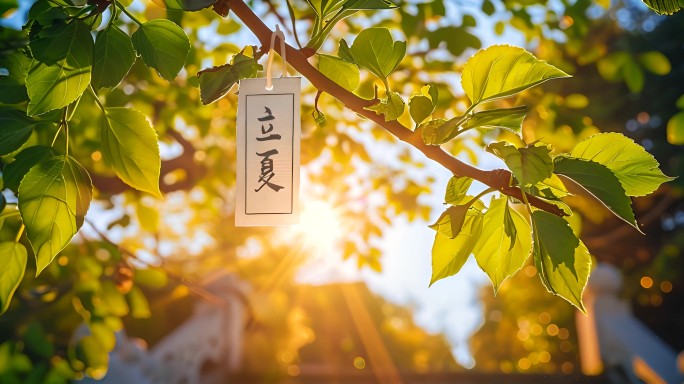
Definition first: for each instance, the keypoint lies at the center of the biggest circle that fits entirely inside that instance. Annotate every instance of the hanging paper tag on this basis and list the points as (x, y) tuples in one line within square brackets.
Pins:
[(268, 136)]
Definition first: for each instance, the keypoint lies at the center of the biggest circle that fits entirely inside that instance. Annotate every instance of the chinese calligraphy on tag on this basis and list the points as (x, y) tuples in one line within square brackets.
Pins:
[(268, 152), (266, 161)]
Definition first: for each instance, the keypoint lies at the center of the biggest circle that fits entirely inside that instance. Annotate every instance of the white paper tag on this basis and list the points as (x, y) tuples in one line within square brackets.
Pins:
[(268, 137)]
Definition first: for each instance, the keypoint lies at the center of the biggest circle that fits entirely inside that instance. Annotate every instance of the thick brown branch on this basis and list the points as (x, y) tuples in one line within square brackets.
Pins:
[(497, 179)]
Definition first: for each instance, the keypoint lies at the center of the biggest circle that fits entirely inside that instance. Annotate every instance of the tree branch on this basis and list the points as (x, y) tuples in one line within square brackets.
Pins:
[(498, 179)]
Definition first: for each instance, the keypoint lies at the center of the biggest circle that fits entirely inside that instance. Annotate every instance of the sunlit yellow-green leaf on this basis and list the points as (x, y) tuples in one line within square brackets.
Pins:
[(12, 266), (633, 75), (54, 197), (423, 104), (562, 260), (529, 165), (340, 71), (129, 144), (655, 62), (113, 301), (456, 189), (505, 242), (551, 188), (636, 169), (664, 7), (451, 221), (215, 82), (96, 359), (675, 129), (392, 107), (449, 255), (375, 50), (503, 70), (64, 73), (507, 118), (599, 181), (140, 307)]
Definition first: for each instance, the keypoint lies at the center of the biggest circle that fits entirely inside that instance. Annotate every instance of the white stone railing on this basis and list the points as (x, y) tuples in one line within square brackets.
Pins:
[(612, 339)]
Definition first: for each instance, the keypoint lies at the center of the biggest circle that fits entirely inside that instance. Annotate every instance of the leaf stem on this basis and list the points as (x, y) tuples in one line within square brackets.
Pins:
[(130, 15), (292, 19), (97, 99), (479, 195), (21, 232), (54, 139), (113, 16), (65, 124)]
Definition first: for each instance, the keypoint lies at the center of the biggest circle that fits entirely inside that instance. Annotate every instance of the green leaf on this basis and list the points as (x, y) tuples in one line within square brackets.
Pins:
[(433, 132), (456, 39), (140, 307), (324, 8), (449, 255), (54, 197), (103, 335), (153, 278), (551, 188), (655, 62), (529, 165), (113, 301), (599, 181), (163, 45), (633, 75), (341, 72), (15, 129), (680, 102), (367, 4), (456, 189), (129, 144), (148, 217), (375, 50), (13, 82), (675, 129), (114, 57), (95, 358), (636, 169), (12, 266), (217, 81), (185, 5), (562, 261), (65, 72), (505, 242), (663, 7), (392, 107), (422, 105), (506, 118), (14, 172), (503, 70), (344, 52), (450, 222)]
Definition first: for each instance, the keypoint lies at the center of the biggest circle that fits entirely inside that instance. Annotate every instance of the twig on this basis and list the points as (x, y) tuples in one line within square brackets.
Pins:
[(497, 179)]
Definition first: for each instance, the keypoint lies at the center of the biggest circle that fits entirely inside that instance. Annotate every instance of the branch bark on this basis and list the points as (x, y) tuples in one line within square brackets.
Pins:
[(498, 179)]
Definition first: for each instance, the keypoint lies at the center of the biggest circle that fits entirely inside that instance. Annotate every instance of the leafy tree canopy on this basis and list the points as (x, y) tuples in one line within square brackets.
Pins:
[(91, 92)]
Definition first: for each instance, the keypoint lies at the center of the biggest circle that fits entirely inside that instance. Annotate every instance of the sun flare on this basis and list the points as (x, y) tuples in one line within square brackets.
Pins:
[(320, 225)]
